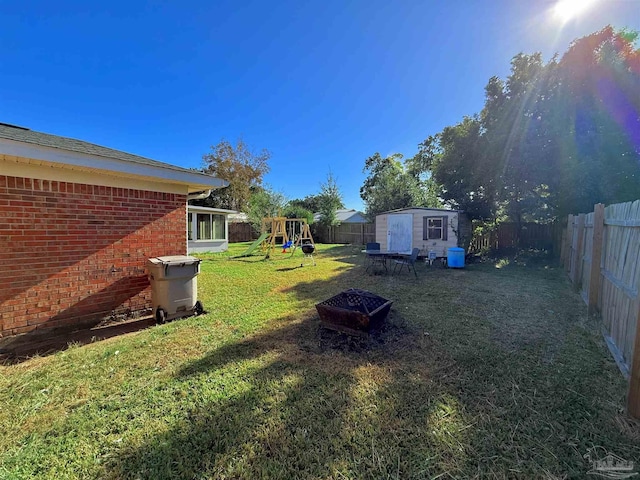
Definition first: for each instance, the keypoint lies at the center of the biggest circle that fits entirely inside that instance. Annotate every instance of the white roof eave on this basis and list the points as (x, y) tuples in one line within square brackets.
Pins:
[(196, 181), (196, 208)]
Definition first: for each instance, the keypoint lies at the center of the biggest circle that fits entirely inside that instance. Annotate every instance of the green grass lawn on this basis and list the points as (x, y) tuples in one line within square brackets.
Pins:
[(494, 371)]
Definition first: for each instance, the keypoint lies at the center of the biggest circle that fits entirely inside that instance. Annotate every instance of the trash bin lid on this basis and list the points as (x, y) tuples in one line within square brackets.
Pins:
[(174, 260)]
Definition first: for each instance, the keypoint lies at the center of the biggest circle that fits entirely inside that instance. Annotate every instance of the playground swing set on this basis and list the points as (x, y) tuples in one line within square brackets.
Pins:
[(290, 233)]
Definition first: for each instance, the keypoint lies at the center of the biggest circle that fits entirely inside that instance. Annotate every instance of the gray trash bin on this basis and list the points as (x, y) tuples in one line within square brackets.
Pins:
[(174, 286)]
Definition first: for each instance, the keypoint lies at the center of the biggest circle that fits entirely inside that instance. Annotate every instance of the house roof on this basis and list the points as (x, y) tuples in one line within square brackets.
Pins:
[(345, 215), (14, 140)]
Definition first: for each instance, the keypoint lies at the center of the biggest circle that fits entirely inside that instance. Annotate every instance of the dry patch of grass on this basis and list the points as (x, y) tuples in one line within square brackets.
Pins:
[(484, 372)]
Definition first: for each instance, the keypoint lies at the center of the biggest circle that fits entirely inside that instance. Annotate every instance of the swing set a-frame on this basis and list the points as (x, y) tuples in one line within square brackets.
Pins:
[(290, 233)]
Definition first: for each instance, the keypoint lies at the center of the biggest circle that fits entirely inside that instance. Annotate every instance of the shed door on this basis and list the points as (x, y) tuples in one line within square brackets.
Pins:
[(400, 232)]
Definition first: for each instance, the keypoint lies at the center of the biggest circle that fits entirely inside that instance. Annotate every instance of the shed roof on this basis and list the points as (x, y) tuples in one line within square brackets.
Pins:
[(421, 208), (113, 159)]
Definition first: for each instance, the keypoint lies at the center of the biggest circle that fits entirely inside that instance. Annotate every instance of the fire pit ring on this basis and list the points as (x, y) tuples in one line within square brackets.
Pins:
[(354, 311)]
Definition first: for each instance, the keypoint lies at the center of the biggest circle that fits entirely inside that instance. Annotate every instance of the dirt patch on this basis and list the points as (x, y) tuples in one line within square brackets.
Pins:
[(395, 329), (45, 342)]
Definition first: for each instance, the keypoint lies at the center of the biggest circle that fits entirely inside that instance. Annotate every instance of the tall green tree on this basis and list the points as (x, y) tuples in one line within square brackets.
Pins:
[(264, 202), (330, 200), (428, 192), (389, 185), (241, 167), (310, 203), (457, 160), (552, 138), (295, 211), (519, 139), (600, 89)]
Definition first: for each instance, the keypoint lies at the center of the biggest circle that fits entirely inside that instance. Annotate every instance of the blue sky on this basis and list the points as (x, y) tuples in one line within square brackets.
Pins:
[(321, 84)]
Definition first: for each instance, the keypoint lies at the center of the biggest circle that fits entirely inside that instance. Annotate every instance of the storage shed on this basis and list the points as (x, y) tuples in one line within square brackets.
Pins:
[(429, 229), (77, 224)]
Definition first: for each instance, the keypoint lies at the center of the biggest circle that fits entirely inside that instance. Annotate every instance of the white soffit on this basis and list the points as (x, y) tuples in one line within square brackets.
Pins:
[(55, 157)]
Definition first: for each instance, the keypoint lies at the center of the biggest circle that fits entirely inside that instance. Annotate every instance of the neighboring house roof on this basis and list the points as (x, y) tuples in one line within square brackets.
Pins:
[(25, 143), (421, 208), (346, 216)]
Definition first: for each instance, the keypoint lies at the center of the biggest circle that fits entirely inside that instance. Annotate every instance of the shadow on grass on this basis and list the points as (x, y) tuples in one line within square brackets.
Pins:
[(308, 403), (437, 393), (531, 259), (288, 269), (247, 259), (75, 326), (23, 347)]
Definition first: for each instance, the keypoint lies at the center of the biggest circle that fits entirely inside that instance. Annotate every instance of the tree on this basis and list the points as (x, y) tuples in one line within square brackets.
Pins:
[(520, 146), (458, 166), (241, 167), (552, 138), (429, 192), (389, 185), (295, 211), (264, 202), (600, 86), (310, 203), (330, 200)]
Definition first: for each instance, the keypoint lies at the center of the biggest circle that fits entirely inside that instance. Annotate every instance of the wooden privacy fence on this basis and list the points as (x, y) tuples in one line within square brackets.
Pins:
[(601, 254), (241, 232), (539, 236), (354, 233)]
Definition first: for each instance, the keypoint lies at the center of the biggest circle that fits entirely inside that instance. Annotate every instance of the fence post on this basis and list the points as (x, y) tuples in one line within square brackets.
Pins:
[(569, 238), (633, 397), (596, 256), (563, 246), (577, 272)]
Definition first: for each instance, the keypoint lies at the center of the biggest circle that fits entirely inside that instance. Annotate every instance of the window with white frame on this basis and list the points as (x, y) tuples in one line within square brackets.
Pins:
[(434, 228), (208, 226)]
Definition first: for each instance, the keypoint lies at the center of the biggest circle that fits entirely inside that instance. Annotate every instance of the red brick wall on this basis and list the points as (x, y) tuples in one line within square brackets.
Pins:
[(73, 254)]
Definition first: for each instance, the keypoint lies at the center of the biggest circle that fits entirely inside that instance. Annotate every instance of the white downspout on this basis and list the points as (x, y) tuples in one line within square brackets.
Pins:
[(199, 195)]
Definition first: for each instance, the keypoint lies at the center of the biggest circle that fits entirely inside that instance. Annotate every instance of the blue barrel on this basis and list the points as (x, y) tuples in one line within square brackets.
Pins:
[(455, 257)]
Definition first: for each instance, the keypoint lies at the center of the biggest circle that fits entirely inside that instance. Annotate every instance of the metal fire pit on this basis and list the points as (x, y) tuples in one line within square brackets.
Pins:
[(353, 311)]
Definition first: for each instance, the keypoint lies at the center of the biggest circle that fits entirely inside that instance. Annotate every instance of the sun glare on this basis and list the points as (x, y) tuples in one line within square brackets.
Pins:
[(566, 10)]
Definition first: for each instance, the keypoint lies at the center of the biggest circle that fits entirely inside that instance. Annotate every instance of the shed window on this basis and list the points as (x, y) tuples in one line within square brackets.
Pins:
[(434, 228), (209, 226)]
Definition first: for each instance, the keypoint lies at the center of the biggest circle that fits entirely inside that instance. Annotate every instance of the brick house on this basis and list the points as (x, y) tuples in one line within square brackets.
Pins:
[(77, 223)]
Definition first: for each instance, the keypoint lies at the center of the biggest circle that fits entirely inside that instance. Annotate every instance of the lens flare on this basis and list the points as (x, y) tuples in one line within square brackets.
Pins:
[(566, 10)]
